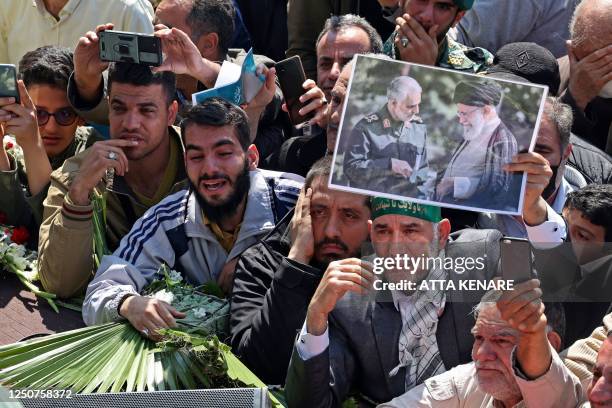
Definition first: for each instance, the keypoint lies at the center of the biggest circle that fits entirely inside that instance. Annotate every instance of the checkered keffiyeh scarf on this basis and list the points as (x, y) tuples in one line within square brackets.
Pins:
[(418, 348)]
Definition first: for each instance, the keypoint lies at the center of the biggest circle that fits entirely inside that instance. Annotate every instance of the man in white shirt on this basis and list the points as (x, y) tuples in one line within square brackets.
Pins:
[(28, 24)]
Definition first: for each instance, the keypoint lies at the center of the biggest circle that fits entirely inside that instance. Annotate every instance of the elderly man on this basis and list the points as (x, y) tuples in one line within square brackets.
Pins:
[(599, 392), (275, 279), (553, 144), (199, 232), (475, 175), (586, 74), (387, 151), (341, 38), (421, 36), (353, 341), (514, 364)]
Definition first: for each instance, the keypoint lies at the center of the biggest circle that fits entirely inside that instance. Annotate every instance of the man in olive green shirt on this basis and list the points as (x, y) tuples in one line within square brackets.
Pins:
[(46, 129)]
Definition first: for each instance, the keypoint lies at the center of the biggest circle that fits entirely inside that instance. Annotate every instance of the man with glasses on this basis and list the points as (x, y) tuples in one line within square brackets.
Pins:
[(475, 175), (387, 152), (45, 127)]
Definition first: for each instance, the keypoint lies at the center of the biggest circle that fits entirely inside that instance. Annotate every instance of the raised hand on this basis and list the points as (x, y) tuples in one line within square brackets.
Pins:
[(88, 66), (414, 43)]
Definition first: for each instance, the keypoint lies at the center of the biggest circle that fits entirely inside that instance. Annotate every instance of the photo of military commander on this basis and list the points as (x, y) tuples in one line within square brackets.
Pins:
[(475, 176), (387, 150)]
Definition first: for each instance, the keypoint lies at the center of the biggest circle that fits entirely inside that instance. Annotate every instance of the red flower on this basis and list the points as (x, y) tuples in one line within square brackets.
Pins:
[(20, 235), (9, 145), (3, 218)]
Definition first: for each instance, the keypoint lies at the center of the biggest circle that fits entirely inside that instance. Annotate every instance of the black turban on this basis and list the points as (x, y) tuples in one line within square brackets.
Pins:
[(477, 93)]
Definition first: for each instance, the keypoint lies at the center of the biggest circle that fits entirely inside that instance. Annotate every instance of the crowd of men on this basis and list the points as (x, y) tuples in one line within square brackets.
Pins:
[(239, 195)]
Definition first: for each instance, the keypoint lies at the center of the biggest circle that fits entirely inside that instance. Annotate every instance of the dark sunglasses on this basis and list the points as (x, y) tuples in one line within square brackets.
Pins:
[(63, 117)]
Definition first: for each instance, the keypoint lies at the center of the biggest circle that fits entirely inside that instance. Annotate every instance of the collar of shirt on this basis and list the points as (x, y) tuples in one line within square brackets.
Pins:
[(68, 8), (226, 239), (564, 189)]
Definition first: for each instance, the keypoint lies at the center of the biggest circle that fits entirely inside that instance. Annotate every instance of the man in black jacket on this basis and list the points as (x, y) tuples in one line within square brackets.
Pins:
[(275, 279)]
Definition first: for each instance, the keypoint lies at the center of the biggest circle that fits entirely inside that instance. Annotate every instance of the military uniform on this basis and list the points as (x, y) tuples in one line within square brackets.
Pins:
[(452, 55), (374, 141)]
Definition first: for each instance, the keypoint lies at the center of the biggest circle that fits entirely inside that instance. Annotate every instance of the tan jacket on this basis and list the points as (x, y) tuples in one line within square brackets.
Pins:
[(581, 356), (459, 388), (65, 246)]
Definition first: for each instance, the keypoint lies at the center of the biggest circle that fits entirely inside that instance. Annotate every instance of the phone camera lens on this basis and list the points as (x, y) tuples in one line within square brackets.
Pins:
[(124, 49)]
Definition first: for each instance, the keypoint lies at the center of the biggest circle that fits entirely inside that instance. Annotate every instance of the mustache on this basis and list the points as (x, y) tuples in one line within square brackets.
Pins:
[(334, 241), (214, 176)]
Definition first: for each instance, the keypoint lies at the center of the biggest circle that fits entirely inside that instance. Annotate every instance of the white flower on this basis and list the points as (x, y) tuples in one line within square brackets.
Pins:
[(175, 276), (200, 312), (164, 295)]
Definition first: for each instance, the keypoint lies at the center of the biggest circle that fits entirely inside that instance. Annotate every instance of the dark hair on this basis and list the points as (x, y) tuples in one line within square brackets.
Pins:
[(141, 75), (48, 65), (555, 318), (339, 23), (213, 16), (322, 168), (218, 112), (594, 201), (562, 117)]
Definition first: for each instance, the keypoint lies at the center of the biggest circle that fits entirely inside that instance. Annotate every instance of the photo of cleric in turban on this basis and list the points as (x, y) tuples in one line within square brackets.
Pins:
[(475, 176)]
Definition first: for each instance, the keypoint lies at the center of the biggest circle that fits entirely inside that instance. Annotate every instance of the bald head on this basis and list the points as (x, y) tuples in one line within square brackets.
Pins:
[(591, 26)]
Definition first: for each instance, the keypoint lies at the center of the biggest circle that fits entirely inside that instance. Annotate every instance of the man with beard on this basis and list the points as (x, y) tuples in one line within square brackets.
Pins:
[(515, 361), (276, 278), (475, 175), (198, 232), (381, 344), (387, 150), (421, 36)]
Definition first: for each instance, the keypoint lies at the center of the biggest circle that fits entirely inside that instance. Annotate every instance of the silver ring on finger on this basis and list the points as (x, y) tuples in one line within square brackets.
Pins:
[(145, 331), (112, 155), (404, 42)]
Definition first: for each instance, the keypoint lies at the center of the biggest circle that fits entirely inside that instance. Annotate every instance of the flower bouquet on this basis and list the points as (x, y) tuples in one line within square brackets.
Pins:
[(15, 258)]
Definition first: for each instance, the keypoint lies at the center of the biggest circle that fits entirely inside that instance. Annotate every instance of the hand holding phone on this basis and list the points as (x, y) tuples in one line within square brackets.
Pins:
[(516, 259), (291, 77), (8, 82), (122, 46)]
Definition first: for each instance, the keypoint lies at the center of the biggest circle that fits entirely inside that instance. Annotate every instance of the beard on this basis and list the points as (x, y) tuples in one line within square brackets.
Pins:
[(220, 211), (323, 262), (474, 129)]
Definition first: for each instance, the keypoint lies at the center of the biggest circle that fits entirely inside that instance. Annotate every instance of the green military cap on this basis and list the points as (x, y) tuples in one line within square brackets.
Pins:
[(477, 93), (464, 4), (384, 206)]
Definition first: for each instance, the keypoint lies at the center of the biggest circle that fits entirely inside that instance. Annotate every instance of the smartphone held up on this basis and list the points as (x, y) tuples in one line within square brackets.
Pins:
[(121, 46), (291, 77), (8, 82)]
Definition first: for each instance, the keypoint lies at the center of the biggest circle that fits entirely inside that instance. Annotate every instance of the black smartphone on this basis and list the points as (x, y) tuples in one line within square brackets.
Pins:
[(291, 76), (8, 82), (121, 46), (516, 259)]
